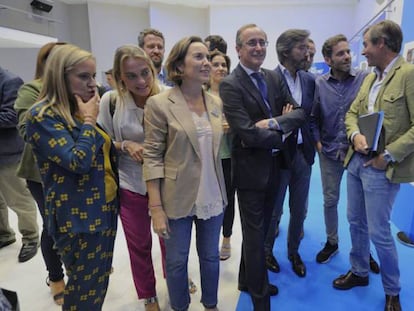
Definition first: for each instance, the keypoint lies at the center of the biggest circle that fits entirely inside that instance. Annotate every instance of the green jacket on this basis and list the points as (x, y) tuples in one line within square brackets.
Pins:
[(26, 97), (396, 99)]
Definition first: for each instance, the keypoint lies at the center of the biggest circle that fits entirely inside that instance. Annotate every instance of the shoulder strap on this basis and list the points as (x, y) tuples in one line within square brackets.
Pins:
[(112, 102)]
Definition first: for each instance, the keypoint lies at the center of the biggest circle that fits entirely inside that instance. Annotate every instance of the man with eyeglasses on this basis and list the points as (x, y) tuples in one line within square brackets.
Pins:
[(292, 51), (259, 110)]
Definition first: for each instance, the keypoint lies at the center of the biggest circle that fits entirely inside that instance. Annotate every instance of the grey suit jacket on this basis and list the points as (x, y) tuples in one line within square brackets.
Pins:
[(172, 152)]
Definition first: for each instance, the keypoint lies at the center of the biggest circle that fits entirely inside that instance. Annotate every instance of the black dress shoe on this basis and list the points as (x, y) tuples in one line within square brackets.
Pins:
[(297, 265), (350, 280), (273, 290), (392, 303), (28, 251), (272, 264), (6, 243), (373, 265)]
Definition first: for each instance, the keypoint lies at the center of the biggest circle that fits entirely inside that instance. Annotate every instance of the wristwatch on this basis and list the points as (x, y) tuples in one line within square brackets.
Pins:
[(272, 124), (387, 157)]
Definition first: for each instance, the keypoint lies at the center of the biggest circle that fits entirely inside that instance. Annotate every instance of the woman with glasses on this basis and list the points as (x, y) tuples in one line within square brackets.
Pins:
[(182, 168), (121, 115), (77, 163)]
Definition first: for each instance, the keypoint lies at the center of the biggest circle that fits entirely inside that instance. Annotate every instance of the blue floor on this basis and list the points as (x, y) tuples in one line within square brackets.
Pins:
[(315, 291)]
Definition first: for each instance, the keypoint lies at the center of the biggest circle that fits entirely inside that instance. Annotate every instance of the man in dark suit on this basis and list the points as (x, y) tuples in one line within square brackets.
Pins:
[(292, 51), (254, 101)]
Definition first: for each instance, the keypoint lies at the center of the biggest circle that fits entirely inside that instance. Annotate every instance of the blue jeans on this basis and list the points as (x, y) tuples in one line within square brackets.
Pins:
[(370, 199), (331, 175), (177, 249)]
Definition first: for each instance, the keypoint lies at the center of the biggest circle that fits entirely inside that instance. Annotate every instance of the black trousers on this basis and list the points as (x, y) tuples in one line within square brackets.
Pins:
[(256, 208), (50, 255), (228, 219)]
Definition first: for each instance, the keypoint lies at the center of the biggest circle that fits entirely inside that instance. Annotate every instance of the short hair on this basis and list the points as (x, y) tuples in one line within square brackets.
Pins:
[(287, 41), (216, 42), (131, 51), (42, 56), (177, 56), (388, 30), (56, 90), (239, 43), (329, 44), (146, 32)]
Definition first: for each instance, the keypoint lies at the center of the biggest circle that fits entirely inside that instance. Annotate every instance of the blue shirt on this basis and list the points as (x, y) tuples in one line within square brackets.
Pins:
[(332, 100)]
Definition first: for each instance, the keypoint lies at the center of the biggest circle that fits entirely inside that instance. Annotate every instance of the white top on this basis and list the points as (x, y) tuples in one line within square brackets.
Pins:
[(209, 202), (125, 124)]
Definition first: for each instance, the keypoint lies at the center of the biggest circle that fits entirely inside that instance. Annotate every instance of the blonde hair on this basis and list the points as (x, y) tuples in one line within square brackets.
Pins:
[(132, 51), (55, 90)]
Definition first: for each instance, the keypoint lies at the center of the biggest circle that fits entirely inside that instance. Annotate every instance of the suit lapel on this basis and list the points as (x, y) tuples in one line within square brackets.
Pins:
[(251, 88), (184, 117)]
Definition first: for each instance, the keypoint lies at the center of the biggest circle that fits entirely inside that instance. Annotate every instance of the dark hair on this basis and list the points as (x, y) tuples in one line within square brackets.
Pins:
[(146, 32), (216, 42), (329, 44), (226, 58), (387, 30), (287, 41), (176, 58)]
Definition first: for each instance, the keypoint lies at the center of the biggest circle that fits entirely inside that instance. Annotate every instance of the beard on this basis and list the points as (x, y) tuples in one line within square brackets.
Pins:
[(157, 63)]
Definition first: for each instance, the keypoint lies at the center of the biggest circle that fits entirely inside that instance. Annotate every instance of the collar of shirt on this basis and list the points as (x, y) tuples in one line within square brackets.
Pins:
[(386, 70), (249, 73), (352, 73)]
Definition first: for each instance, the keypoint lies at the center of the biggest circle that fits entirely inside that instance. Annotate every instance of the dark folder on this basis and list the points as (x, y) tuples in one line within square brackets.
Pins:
[(370, 126)]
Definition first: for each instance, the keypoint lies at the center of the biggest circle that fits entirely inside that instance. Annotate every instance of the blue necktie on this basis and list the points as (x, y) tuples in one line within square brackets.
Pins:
[(261, 83)]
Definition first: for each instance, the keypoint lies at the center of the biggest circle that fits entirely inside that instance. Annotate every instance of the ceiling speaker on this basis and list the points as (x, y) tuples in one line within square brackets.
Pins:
[(41, 6)]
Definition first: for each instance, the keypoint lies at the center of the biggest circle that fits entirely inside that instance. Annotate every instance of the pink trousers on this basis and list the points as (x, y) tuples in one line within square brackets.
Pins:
[(137, 227)]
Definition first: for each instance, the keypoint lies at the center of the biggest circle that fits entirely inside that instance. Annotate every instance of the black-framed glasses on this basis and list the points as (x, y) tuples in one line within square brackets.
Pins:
[(253, 43)]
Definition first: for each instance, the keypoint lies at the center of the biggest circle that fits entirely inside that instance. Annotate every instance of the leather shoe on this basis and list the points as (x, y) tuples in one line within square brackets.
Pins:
[(28, 251), (373, 265), (392, 303), (273, 290), (297, 265), (272, 264), (350, 280), (6, 243)]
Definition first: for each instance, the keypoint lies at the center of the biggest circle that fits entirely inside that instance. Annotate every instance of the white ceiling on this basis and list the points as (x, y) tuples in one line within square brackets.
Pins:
[(207, 3)]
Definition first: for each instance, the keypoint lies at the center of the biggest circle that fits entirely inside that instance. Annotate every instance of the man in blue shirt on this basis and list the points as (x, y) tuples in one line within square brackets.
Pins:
[(334, 94)]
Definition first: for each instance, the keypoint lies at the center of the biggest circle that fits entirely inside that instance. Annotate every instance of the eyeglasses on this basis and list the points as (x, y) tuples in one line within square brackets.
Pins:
[(253, 43)]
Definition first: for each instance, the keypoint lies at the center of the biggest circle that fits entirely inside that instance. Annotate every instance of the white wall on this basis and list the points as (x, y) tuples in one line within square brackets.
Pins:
[(177, 22), (110, 27), (322, 22)]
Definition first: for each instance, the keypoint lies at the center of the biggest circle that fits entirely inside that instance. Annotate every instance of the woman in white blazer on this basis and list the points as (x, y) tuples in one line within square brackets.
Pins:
[(182, 168)]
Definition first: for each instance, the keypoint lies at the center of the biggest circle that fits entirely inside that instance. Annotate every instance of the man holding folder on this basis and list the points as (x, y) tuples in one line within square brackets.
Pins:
[(374, 179)]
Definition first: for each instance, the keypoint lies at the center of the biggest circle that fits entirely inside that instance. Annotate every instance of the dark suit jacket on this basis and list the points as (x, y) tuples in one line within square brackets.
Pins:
[(252, 146), (307, 81)]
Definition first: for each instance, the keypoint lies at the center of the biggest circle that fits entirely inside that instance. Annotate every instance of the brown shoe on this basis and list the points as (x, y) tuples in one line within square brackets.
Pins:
[(151, 304), (392, 303), (225, 251), (57, 290)]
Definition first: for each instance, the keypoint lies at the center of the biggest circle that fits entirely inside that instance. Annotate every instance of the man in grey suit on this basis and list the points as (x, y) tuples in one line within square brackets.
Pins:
[(254, 101), (13, 191)]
